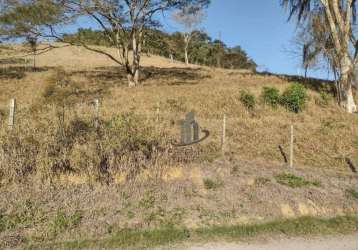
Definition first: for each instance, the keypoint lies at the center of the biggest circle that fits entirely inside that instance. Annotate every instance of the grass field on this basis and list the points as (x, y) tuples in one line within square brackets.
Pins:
[(65, 180)]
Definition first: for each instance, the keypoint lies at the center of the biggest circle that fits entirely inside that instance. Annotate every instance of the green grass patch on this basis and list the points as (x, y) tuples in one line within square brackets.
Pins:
[(353, 193), (210, 184), (62, 221), (134, 239), (294, 181)]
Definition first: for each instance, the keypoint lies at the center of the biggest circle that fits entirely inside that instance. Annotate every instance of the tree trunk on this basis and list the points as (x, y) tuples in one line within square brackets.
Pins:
[(171, 59), (346, 86), (186, 54), (131, 80)]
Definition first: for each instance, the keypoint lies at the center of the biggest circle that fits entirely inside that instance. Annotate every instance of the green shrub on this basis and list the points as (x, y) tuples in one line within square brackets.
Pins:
[(248, 100), (270, 96), (294, 97)]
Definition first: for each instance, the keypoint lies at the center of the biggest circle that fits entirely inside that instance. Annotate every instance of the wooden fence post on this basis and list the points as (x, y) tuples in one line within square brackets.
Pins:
[(291, 146), (223, 136), (96, 110), (12, 113)]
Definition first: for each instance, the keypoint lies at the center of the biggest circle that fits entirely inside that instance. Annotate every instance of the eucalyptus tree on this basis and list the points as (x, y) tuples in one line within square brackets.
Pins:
[(338, 19), (189, 16)]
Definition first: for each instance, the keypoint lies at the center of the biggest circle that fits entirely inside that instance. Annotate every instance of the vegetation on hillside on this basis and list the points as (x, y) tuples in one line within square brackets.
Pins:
[(202, 50)]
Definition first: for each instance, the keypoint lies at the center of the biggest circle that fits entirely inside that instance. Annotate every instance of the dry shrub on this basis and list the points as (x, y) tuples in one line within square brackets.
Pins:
[(17, 154), (125, 143)]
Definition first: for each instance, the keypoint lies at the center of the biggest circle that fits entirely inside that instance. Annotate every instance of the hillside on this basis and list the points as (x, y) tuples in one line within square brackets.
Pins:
[(64, 179)]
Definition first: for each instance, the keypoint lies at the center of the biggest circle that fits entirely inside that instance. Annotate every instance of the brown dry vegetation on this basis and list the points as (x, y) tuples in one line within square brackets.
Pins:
[(55, 141)]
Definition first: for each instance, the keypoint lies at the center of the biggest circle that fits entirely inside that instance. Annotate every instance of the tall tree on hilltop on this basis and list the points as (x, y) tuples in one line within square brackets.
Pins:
[(189, 16), (123, 23), (337, 18)]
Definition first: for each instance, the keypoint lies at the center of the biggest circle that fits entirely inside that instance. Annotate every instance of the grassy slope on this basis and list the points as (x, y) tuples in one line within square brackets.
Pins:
[(325, 136)]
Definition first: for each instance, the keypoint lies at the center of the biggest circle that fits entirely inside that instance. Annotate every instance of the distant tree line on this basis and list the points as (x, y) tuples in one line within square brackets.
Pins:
[(203, 50)]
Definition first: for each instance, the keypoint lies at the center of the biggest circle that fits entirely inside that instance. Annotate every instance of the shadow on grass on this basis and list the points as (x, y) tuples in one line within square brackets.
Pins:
[(173, 76), (13, 61), (148, 75), (18, 72), (142, 239)]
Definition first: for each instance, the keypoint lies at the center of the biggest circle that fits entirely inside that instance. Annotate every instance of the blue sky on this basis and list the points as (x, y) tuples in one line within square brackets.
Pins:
[(260, 27)]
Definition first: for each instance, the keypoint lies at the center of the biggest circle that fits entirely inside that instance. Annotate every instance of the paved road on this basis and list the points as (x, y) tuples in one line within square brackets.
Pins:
[(327, 243)]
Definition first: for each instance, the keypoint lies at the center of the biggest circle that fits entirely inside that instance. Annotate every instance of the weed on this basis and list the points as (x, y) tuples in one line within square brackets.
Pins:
[(294, 181), (210, 184)]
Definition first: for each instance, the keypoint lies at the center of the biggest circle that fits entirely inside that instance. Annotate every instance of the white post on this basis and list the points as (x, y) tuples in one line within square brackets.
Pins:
[(12, 113), (96, 108), (291, 146), (223, 138)]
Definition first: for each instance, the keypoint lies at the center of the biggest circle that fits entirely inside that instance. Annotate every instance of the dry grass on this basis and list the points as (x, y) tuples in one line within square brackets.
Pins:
[(325, 136)]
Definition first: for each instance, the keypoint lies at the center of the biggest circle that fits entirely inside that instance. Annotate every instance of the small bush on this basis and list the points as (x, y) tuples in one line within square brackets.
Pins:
[(271, 96), (294, 97), (212, 184), (294, 181), (248, 100)]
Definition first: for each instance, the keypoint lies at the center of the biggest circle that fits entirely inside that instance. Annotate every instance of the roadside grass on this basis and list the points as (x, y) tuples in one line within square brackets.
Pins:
[(134, 239), (294, 181)]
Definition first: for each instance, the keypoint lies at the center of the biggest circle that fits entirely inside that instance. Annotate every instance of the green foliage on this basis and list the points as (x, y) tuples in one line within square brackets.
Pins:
[(294, 181), (294, 97), (248, 100), (202, 49), (29, 17), (271, 96), (212, 184)]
